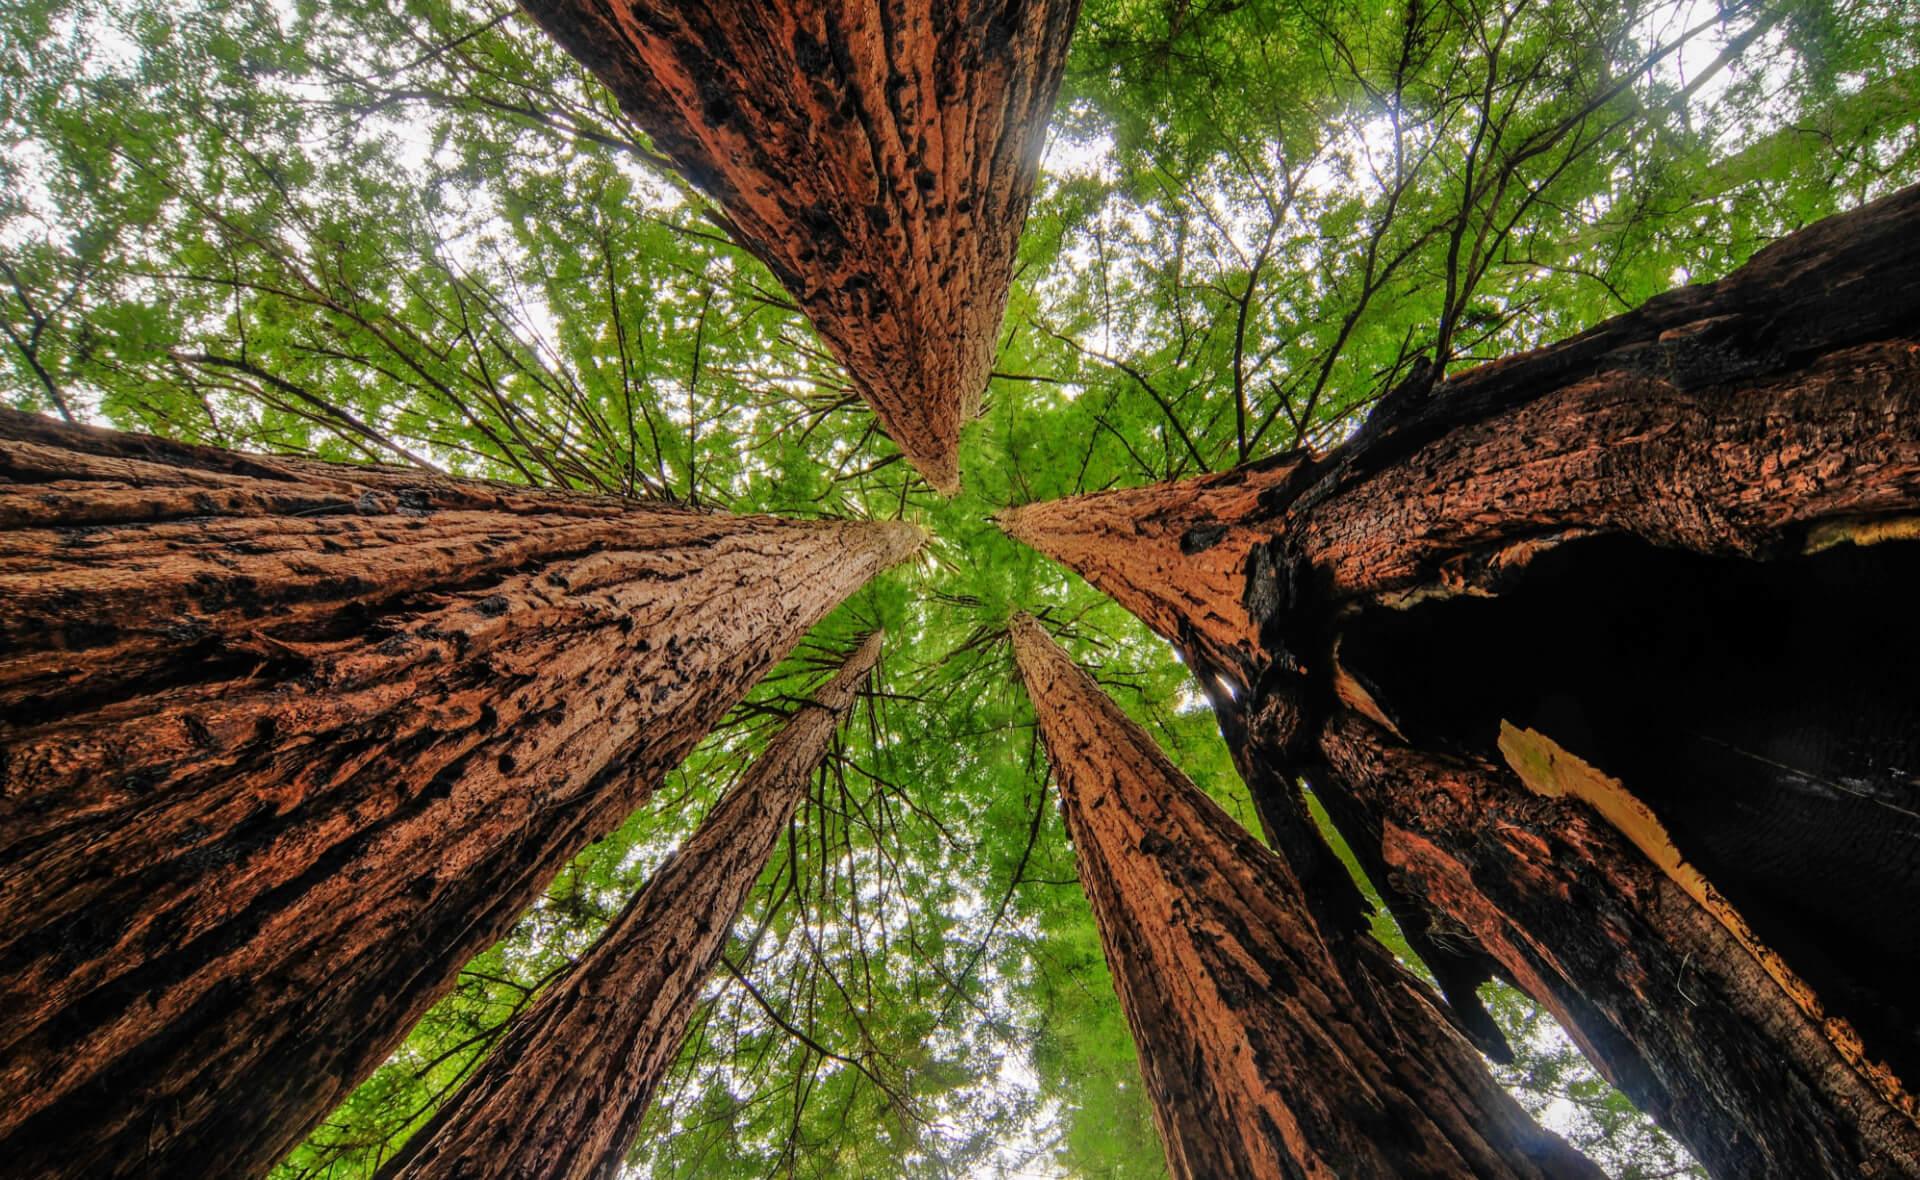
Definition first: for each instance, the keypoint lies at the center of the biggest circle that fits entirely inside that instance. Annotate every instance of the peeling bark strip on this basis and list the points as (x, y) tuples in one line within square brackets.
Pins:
[(1680, 548), (563, 1094), (1270, 1047), (286, 743), (878, 157)]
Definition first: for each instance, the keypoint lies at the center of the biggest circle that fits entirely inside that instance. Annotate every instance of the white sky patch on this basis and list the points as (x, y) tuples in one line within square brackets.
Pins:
[(1070, 158), (1079, 146)]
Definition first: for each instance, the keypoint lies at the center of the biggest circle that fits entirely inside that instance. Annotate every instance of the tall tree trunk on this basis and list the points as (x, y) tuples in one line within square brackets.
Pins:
[(1271, 1047), (1176, 556), (286, 743), (879, 158), (562, 1095), (1606, 650), (1458, 968)]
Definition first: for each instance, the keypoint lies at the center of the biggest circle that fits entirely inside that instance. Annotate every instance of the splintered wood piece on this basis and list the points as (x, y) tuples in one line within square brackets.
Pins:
[(1654, 988), (286, 743), (878, 157), (1270, 1047), (563, 1093)]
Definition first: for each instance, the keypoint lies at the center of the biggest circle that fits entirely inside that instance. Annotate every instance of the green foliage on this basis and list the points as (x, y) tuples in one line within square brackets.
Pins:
[(413, 231), (1557, 1086)]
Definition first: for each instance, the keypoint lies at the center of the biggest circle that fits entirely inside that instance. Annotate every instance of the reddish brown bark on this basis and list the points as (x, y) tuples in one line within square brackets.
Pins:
[(1270, 1047), (286, 743), (1173, 554), (563, 1095), (879, 158), (1176, 556), (1672, 548)]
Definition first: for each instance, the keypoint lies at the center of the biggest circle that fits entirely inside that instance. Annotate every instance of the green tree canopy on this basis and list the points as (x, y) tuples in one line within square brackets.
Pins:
[(414, 232)]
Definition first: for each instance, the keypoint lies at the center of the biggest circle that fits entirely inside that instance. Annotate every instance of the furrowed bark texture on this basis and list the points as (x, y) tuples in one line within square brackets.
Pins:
[(286, 743), (878, 157), (1176, 556), (563, 1094), (1675, 554), (1270, 1047)]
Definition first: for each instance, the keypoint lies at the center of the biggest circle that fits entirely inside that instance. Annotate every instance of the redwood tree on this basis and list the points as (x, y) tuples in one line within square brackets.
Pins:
[(878, 158), (563, 1094), (1271, 1047), (1604, 651), (286, 743)]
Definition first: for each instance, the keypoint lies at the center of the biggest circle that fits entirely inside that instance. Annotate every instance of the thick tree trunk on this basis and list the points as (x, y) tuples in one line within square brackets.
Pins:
[(1176, 556), (286, 743), (1271, 1047), (879, 158), (562, 1096), (1607, 651)]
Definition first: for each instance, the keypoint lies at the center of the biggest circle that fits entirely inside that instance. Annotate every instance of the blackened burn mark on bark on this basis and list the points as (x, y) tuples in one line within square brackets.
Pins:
[(1768, 712), (1201, 538), (1746, 420)]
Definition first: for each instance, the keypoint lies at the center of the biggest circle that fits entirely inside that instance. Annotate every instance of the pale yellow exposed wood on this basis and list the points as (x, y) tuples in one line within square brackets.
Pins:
[(1856, 531), (1354, 695), (1546, 769)]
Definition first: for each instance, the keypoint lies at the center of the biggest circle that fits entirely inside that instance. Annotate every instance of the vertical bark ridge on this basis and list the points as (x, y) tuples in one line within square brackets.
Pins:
[(878, 157), (1269, 1047), (287, 743), (1513, 548), (563, 1094)]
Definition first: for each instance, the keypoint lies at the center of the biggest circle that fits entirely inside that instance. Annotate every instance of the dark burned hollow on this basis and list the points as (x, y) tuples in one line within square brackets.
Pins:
[(1767, 711)]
